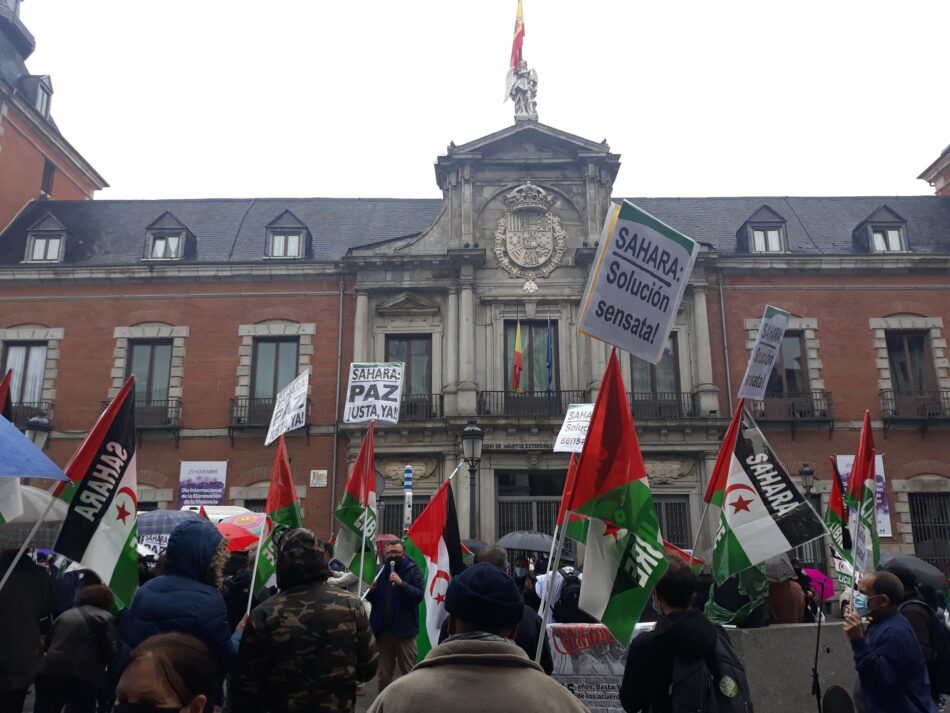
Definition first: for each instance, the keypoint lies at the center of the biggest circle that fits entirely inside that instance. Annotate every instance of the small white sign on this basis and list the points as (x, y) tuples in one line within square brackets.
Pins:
[(768, 344), (637, 282), (290, 408), (574, 429), (318, 478), (373, 393)]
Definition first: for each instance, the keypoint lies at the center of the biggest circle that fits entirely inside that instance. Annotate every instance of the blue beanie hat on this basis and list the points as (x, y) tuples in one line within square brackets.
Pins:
[(486, 596)]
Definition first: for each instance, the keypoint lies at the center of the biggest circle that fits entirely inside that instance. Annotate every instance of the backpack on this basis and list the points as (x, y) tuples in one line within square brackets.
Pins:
[(717, 684), (938, 665), (566, 609)]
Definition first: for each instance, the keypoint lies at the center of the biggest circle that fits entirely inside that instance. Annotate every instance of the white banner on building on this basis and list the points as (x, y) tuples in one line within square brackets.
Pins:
[(637, 282), (290, 408), (768, 344), (574, 429), (373, 393), (883, 508)]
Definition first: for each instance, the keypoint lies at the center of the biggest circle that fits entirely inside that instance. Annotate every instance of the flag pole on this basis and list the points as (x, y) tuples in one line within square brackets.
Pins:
[(29, 537), (699, 532), (260, 542), (556, 546)]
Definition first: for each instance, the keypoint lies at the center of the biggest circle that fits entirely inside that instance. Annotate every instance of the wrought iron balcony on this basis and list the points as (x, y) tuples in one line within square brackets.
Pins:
[(247, 412), (23, 412), (420, 407), (158, 414), (529, 404), (815, 406), (917, 406), (663, 405)]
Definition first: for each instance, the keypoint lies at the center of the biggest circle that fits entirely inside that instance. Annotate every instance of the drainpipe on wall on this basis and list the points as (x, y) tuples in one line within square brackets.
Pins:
[(336, 406), (725, 338)]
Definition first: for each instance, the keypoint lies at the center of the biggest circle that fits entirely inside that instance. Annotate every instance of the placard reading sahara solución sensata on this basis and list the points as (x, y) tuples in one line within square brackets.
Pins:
[(637, 282)]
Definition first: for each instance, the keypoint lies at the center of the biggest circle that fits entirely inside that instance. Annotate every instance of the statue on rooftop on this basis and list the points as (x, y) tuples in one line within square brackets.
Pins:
[(523, 91)]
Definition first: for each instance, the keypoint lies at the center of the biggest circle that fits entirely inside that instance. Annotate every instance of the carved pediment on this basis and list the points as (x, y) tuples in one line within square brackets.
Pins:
[(408, 303), (392, 469), (669, 471)]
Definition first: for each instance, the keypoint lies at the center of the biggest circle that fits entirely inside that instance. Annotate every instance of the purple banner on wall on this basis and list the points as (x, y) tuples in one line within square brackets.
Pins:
[(202, 482)]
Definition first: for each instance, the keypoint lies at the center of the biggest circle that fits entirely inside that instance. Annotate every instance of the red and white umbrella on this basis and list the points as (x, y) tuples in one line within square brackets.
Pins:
[(242, 530)]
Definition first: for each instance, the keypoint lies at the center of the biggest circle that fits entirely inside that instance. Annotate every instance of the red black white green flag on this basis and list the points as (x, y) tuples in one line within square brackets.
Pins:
[(434, 544), (99, 528), (861, 501), (763, 514), (6, 397), (624, 558), (356, 538), (283, 511), (836, 521)]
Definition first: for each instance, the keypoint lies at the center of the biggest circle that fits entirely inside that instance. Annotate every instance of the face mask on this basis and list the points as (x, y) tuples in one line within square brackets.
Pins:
[(860, 604), (521, 571), (143, 708)]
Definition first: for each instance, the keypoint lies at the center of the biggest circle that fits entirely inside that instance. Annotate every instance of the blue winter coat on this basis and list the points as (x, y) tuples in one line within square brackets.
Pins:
[(180, 601), (405, 601)]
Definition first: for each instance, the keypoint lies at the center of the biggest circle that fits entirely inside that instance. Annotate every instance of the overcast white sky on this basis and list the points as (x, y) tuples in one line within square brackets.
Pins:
[(219, 98)]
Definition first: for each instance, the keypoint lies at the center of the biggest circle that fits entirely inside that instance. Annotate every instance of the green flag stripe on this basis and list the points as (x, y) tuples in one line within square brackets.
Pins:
[(125, 576)]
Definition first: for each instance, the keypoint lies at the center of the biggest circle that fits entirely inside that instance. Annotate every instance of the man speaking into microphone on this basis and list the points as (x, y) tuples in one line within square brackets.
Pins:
[(396, 594)]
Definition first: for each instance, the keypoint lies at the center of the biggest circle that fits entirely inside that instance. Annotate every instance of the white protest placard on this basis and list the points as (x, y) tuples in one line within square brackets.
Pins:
[(374, 393), (574, 429), (637, 282), (290, 408), (768, 343)]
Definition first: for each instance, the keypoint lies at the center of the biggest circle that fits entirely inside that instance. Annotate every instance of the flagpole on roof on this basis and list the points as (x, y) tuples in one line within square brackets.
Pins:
[(29, 537)]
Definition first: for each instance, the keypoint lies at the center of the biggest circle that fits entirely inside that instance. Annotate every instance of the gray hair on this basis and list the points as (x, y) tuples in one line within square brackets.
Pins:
[(494, 555)]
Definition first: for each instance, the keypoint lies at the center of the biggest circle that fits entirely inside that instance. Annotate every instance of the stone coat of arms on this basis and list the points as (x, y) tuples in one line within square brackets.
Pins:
[(529, 241)]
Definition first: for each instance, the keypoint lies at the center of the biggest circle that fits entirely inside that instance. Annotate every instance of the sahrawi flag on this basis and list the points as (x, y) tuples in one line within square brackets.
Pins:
[(861, 500), (762, 513), (624, 557), (99, 528), (434, 544), (283, 511), (837, 523), (356, 539)]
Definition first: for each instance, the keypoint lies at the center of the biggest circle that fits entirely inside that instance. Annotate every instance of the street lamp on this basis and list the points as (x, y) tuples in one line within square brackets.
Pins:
[(38, 429), (807, 475), (472, 437)]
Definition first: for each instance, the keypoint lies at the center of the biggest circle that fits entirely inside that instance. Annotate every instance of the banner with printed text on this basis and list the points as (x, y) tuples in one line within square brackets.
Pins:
[(373, 393), (880, 488), (573, 431), (768, 344), (290, 408), (637, 282), (201, 482)]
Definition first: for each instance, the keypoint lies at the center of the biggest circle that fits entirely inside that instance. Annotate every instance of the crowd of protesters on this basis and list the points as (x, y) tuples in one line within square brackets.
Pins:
[(188, 641)]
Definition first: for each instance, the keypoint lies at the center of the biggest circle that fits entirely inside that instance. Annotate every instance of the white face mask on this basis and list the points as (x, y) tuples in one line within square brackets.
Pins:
[(521, 571)]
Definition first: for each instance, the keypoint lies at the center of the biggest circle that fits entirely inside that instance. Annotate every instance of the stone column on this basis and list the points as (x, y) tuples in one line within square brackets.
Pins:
[(707, 394), (466, 356), (450, 387), (361, 327)]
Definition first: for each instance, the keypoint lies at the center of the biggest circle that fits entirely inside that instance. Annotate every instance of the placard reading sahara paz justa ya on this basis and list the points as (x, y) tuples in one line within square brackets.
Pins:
[(637, 282), (374, 393)]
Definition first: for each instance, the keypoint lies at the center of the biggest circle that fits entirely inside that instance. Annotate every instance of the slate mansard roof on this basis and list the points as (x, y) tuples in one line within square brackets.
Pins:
[(106, 232)]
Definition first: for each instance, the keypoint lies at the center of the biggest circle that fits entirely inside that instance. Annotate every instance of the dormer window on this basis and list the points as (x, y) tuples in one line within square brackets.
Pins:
[(43, 100), (767, 240), (286, 245), (886, 240), (44, 248), (165, 246), (763, 233)]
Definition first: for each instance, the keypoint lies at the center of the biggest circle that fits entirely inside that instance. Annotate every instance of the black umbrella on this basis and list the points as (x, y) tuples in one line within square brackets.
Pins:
[(474, 545), (925, 572), (155, 526), (526, 540)]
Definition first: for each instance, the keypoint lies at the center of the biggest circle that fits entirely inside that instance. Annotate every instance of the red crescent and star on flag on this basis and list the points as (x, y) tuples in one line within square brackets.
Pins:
[(739, 503), (121, 512), (440, 597)]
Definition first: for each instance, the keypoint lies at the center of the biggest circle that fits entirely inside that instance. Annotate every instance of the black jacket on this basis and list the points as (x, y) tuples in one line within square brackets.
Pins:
[(649, 671)]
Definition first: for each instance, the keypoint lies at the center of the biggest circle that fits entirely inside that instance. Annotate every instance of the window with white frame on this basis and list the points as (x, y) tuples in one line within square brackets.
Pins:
[(165, 245), (887, 240), (285, 244), (767, 240), (46, 247), (27, 360)]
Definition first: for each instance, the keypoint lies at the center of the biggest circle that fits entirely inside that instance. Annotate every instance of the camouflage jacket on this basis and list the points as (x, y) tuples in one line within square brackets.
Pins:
[(304, 650)]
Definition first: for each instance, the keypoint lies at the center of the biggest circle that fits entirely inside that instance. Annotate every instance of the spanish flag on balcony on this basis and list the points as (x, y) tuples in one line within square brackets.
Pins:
[(518, 361)]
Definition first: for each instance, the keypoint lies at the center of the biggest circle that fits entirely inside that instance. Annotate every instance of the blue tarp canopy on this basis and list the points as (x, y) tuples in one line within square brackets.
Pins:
[(19, 458)]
